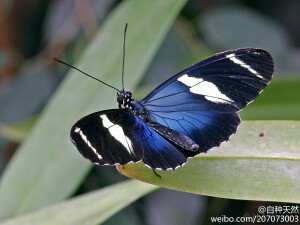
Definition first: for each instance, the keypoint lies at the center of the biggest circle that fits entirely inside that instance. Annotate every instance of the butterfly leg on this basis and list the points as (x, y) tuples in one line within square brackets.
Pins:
[(156, 173)]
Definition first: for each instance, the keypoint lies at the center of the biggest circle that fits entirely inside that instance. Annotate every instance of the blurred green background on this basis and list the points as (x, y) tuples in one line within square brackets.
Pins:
[(34, 31)]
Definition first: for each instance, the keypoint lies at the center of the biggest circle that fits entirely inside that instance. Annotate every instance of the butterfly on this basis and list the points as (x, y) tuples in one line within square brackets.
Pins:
[(188, 114)]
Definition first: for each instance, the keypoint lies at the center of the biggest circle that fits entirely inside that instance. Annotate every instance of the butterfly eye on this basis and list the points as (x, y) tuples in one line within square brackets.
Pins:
[(121, 98)]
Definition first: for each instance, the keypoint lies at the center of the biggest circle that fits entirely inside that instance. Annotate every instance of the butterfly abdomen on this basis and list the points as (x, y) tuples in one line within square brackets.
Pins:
[(175, 137)]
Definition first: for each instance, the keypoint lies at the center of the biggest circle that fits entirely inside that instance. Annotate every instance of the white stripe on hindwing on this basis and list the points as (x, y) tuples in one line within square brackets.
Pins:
[(208, 89), (236, 60), (117, 132)]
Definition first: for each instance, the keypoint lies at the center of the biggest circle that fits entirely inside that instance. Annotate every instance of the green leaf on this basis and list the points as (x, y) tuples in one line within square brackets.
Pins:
[(280, 101), (47, 168), (246, 167), (88, 209)]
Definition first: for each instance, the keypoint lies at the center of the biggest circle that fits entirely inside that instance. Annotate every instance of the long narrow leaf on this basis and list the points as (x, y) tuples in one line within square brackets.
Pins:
[(88, 209)]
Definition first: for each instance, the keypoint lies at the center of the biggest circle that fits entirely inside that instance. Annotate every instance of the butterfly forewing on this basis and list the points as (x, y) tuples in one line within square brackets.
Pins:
[(117, 136), (227, 81), (202, 101), (106, 138)]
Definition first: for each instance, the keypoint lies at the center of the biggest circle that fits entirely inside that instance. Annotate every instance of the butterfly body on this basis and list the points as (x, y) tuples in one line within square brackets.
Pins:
[(190, 113), (126, 99)]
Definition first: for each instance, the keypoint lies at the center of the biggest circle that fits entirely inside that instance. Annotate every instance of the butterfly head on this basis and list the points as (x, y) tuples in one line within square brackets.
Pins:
[(125, 98)]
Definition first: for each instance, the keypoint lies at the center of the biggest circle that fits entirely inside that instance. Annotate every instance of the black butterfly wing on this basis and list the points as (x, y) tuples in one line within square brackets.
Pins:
[(202, 101), (117, 136)]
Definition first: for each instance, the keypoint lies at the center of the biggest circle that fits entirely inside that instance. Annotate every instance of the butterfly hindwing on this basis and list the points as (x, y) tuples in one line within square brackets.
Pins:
[(117, 136), (202, 101), (207, 129)]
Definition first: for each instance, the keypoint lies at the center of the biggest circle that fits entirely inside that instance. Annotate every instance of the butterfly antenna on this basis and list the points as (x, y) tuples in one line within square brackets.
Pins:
[(58, 60), (126, 25)]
